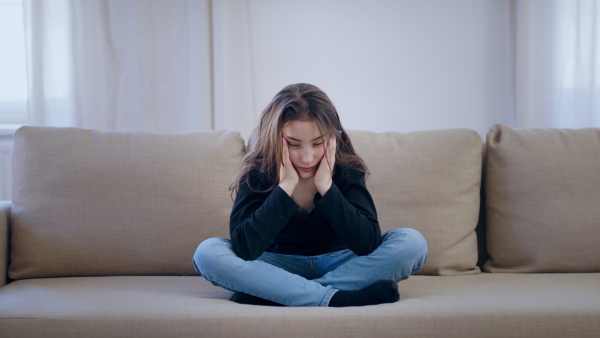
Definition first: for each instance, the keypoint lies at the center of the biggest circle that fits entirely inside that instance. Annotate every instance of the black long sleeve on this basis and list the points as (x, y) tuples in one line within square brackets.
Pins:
[(257, 218), (344, 218), (351, 212)]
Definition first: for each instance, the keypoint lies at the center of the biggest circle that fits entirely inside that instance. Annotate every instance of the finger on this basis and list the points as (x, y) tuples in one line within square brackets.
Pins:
[(325, 158), (333, 144), (285, 153), (286, 161), (282, 164), (332, 150)]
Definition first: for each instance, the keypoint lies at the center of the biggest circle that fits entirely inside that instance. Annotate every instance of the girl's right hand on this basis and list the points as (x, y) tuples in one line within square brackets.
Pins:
[(288, 177)]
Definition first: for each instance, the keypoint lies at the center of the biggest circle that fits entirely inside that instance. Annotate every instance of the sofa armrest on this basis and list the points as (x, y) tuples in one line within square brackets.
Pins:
[(4, 240)]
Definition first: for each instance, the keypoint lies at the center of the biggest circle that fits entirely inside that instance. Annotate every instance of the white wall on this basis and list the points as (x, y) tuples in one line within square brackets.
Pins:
[(389, 65)]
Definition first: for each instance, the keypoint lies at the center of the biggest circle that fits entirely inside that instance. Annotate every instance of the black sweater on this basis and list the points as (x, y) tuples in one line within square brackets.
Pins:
[(345, 218)]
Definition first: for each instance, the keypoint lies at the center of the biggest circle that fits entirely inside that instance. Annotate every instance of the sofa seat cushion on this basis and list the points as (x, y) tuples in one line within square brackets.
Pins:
[(490, 305)]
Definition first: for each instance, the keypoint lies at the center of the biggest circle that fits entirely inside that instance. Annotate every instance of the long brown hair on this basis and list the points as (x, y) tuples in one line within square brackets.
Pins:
[(303, 102)]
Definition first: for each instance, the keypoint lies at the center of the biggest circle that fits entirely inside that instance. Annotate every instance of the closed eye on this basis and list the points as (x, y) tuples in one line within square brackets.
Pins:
[(292, 145)]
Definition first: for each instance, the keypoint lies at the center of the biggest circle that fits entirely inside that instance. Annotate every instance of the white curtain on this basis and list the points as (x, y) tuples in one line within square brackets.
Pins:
[(235, 106), (184, 65), (138, 65), (557, 63)]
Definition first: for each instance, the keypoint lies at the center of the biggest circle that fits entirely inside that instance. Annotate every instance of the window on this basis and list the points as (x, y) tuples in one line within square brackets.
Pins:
[(13, 76)]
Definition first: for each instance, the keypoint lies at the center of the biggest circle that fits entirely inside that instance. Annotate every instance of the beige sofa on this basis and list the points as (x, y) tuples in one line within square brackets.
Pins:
[(99, 236)]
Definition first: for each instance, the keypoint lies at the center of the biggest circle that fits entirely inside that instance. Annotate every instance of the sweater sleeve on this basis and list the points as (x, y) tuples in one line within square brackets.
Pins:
[(351, 211), (257, 218)]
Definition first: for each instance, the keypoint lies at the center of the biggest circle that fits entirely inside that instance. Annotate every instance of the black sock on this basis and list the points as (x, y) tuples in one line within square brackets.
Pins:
[(382, 291), (244, 298)]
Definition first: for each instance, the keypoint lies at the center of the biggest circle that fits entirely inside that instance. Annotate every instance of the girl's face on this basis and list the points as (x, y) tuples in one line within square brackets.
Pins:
[(306, 147)]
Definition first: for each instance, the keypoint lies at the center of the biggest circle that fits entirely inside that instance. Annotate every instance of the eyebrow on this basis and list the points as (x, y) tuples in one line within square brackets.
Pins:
[(297, 140)]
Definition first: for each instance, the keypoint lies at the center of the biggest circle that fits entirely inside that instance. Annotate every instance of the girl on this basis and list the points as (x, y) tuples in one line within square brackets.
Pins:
[(304, 229)]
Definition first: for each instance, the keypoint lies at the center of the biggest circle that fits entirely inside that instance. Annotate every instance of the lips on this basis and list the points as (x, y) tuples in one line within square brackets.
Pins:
[(308, 169)]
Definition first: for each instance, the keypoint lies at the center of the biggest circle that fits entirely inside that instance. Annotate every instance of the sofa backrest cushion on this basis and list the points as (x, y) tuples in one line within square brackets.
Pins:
[(117, 203), (543, 200), (429, 181)]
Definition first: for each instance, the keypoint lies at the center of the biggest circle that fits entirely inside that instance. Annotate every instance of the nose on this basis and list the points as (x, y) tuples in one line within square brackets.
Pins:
[(307, 155)]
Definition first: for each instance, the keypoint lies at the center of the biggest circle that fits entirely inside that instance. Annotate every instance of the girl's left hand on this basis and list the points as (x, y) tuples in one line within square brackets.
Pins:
[(323, 177)]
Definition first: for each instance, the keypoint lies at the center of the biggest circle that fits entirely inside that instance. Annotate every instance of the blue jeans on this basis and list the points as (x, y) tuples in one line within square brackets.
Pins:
[(310, 280)]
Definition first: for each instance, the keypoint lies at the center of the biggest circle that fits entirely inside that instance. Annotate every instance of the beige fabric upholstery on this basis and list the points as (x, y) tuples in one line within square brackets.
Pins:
[(113, 203), (543, 200), (429, 181), (4, 239), (117, 203), (483, 305)]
